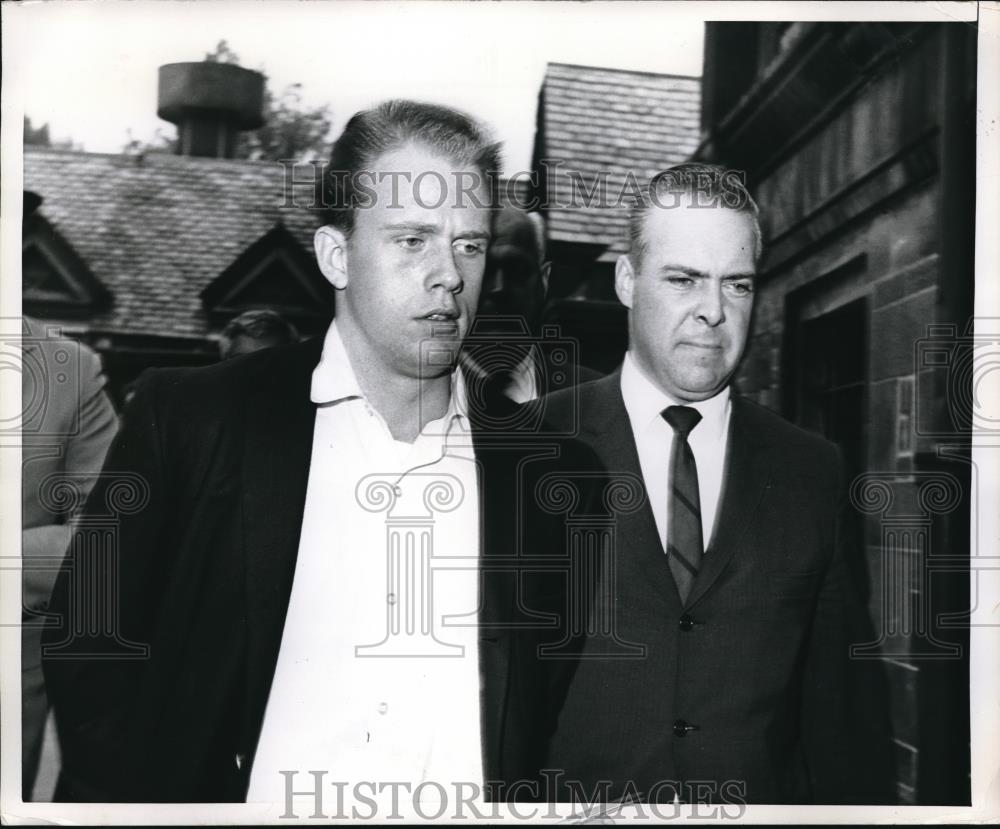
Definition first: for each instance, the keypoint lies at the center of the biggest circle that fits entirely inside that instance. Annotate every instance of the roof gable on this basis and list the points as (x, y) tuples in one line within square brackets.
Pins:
[(56, 280), (274, 272)]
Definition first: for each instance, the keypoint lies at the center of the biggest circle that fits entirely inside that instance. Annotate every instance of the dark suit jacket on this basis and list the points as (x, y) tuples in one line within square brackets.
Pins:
[(200, 537), (755, 660)]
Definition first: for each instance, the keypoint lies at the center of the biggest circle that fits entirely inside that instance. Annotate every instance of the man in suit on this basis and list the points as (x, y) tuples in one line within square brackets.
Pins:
[(731, 579), (275, 527)]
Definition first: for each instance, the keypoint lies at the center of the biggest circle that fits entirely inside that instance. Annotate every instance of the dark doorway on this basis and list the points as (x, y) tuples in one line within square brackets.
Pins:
[(827, 358)]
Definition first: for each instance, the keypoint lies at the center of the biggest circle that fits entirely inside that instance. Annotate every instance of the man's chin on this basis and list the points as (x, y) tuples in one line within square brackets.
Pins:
[(700, 393), (438, 358), (699, 386)]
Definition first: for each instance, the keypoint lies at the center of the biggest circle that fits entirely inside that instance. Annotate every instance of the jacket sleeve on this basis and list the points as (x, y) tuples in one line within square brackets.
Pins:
[(103, 602), (88, 435), (825, 705)]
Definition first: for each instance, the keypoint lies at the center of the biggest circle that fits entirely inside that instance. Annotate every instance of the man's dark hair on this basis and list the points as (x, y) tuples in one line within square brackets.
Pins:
[(263, 326), (712, 185), (389, 126)]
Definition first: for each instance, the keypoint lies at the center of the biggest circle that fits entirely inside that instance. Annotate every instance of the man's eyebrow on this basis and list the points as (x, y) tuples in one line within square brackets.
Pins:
[(694, 273), (412, 227), (430, 228)]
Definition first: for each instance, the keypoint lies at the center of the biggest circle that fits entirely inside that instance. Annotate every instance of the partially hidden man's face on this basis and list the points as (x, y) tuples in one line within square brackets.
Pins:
[(412, 268), (691, 299), (513, 285)]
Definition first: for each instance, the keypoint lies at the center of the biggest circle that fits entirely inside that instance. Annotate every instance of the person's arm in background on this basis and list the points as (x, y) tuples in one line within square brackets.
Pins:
[(89, 434), (91, 694)]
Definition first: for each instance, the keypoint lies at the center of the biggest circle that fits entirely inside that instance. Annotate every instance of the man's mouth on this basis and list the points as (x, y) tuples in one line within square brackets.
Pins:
[(440, 315)]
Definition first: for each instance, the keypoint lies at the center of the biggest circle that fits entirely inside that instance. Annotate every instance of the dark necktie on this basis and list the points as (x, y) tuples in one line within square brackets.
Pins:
[(684, 542)]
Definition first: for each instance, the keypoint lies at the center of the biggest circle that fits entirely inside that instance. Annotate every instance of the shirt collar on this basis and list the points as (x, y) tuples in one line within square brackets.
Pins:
[(458, 405), (644, 402), (523, 385), (334, 380)]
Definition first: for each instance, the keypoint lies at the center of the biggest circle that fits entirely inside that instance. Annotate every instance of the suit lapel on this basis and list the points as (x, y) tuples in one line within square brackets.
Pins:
[(746, 476), (609, 430), (275, 472)]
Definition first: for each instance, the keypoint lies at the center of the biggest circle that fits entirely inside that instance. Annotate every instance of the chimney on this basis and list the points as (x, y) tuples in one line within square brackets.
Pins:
[(210, 103)]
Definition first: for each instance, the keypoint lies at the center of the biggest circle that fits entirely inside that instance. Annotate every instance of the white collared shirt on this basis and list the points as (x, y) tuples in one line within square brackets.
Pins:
[(373, 683), (523, 386), (654, 438)]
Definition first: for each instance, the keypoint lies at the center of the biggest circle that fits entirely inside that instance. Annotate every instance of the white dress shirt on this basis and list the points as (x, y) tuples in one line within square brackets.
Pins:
[(374, 682), (654, 438), (523, 386)]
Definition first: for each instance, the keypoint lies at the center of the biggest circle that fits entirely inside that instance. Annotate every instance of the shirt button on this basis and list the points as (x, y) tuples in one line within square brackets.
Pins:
[(686, 623), (391, 598), (383, 707), (682, 727)]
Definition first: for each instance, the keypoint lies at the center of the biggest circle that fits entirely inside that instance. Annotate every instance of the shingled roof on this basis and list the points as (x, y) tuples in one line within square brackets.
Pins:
[(610, 121), (156, 229)]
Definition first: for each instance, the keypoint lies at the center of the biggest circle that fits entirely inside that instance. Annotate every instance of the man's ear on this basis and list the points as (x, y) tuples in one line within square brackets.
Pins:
[(624, 280), (330, 244)]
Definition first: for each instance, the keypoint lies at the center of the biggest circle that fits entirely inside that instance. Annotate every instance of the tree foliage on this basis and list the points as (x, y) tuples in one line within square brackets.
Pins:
[(222, 54), (39, 137), (291, 129)]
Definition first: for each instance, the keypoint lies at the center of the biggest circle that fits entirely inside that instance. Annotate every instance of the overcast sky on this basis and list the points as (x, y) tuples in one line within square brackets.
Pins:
[(89, 69)]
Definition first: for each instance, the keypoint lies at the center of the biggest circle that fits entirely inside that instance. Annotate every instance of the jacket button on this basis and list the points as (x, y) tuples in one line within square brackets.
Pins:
[(686, 623), (682, 727)]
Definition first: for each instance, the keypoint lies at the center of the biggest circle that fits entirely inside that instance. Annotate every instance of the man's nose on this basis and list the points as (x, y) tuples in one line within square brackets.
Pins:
[(445, 273), (710, 309)]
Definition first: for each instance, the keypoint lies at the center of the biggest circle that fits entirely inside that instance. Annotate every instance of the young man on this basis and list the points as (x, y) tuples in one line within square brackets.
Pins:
[(303, 570)]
